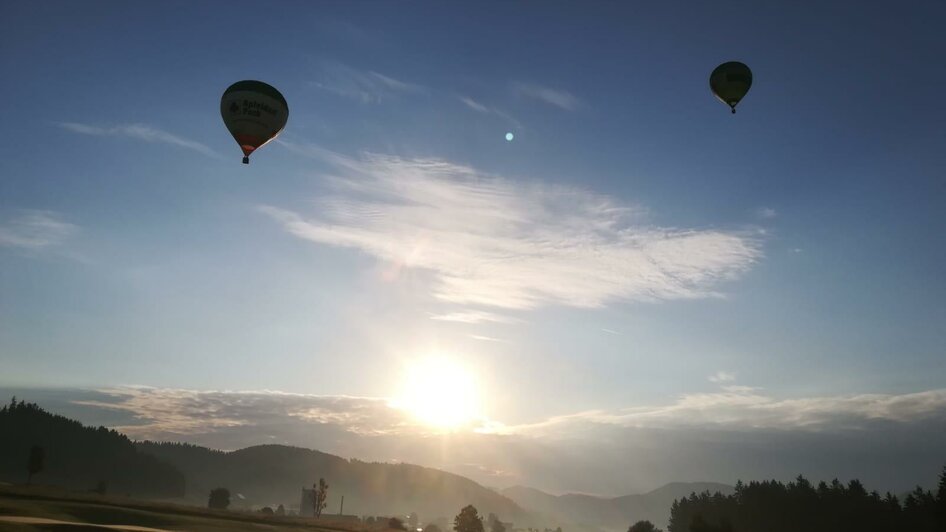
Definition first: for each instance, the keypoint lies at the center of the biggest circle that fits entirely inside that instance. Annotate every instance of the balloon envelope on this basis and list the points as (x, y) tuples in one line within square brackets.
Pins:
[(730, 82), (254, 112)]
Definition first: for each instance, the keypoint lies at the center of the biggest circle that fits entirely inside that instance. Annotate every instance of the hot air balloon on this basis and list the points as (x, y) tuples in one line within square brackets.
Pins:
[(730, 82), (254, 112)]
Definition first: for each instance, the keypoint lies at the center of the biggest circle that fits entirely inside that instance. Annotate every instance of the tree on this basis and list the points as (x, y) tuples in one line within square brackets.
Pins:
[(219, 499), (643, 526), (35, 463), (321, 494), (396, 524), (468, 520), (280, 510), (432, 528), (700, 525), (940, 510), (495, 525), (412, 520), (266, 510)]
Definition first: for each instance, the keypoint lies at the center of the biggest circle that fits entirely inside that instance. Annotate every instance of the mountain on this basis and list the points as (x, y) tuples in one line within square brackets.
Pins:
[(275, 474), (589, 512), (80, 457)]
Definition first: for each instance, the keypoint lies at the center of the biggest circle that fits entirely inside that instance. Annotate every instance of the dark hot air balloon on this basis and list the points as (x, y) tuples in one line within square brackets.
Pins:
[(730, 82), (254, 112)]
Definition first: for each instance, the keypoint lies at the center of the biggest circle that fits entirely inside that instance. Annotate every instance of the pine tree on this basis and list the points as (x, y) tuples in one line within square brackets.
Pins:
[(468, 520)]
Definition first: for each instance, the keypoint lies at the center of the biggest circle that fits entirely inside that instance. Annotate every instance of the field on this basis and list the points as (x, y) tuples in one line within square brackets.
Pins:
[(49, 508)]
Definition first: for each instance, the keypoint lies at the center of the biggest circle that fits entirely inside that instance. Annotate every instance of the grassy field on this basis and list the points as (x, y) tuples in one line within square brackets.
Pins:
[(87, 509)]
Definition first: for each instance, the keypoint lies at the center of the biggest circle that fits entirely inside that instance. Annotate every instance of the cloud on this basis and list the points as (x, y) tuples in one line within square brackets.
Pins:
[(162, 413), (746, 408), (35, 230), (474, 316), (366, 86), (168, 412), (486, 338), (485, 109), (139, 132), (721, 376), (473, 104), (555, 97), (496, 242), (766, 213)]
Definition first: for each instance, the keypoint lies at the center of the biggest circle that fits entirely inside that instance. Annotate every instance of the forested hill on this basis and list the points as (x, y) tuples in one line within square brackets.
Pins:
[(85, 458), (799, 505), (275, 474), (80, 457)]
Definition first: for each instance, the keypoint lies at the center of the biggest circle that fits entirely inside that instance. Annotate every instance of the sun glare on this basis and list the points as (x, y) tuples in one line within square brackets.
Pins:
[(439, 392)]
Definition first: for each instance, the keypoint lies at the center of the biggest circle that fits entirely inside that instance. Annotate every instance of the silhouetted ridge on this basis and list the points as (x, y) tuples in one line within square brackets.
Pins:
[(591, 512), (275, 474), (80, 457)]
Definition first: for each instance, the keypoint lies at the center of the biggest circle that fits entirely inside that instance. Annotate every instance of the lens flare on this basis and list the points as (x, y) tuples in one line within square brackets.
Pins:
[(439, 392)]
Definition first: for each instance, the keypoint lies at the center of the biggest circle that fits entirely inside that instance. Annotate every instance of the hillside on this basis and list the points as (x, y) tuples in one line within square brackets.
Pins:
[(590, 512), (275, 474), (80, 457)]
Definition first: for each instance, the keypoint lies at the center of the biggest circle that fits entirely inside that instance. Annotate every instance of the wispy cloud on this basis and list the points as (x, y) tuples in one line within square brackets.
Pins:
[(139, 132), (486, 109), (483, 338), (366, 86), (555, 97), (473, 104), (746, 407), (474, 316), (493, 241), (35, 230), (766, 213), (722, 376)]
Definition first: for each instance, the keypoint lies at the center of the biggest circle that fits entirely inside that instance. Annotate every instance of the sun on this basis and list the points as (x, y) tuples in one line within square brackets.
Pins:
[(439, 392)]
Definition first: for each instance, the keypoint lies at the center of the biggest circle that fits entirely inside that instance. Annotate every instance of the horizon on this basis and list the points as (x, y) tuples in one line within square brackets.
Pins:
[(497, 489), (522, 243)]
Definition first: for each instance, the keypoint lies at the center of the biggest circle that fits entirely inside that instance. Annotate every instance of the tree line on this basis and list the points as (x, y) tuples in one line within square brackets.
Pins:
[(798, 505), (38, 446)]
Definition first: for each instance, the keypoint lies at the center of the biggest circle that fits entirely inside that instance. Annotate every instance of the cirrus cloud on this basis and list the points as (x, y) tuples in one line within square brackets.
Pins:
[(366, 86), (35, 230), (142, 132), (498, 242), (554, 97)]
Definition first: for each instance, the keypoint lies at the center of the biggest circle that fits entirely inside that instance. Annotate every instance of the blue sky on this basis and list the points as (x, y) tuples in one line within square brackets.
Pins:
[(635, 244)]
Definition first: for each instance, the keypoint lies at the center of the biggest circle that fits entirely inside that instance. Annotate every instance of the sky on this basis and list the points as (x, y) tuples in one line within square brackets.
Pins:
[(638, 277)]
